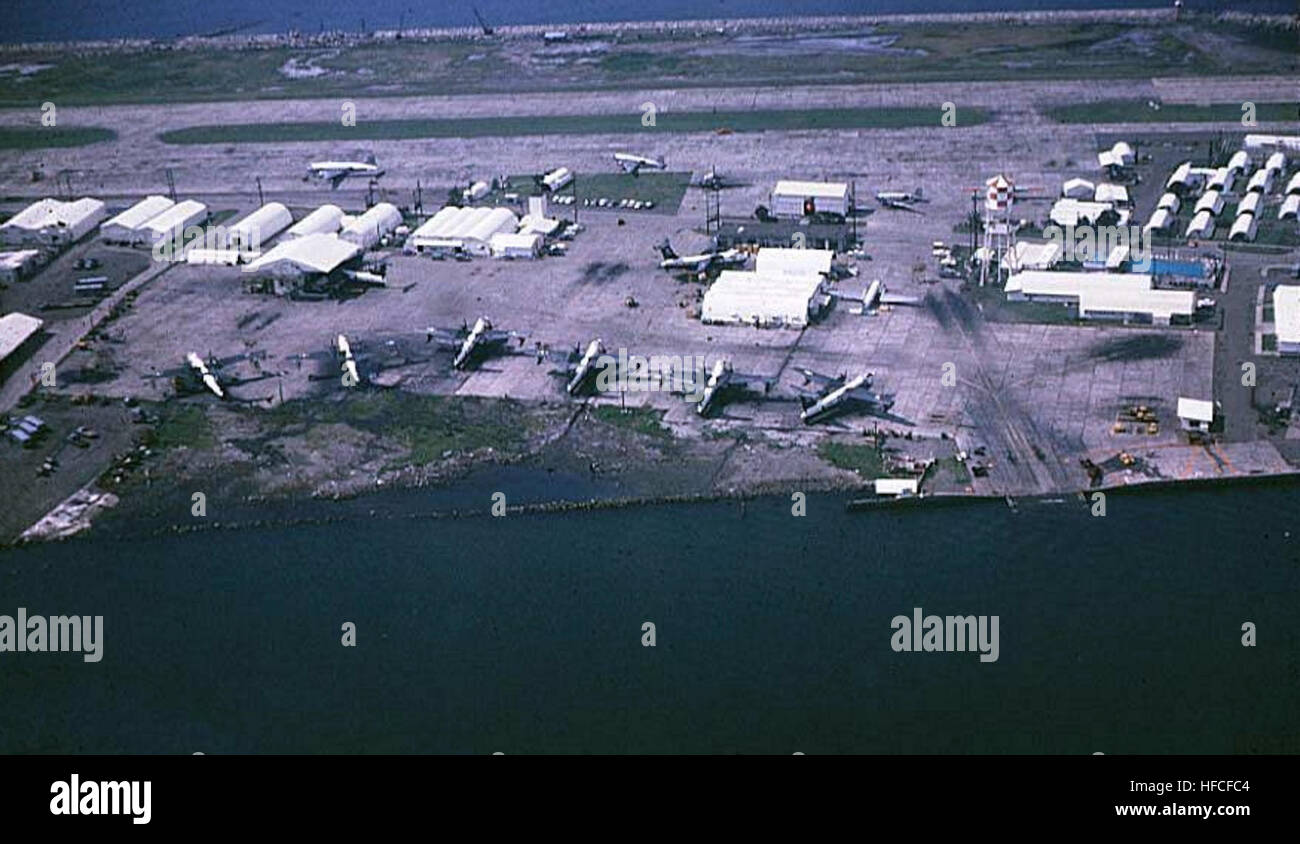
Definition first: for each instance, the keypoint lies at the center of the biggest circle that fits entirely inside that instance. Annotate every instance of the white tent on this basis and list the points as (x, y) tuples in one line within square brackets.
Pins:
[(1243, 228), (1239, 162), (1249, 204), (256, 229), (368, 229), (311, 254), (1170, 201), (1290, 209), (128, 227), (1293, 186), (174, 220), (1106, 192), (1222, 180), (1276, 161), (1211, 201), (1261, 180), (1078, 189), (464, 229), (1161, 220), (1202, 225), (326, 219), (507, 245)]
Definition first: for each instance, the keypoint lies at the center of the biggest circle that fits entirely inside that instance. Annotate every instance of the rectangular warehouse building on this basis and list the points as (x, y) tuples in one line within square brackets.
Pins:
[(16, 331), (1286, 318), (371, 227), (462, 230), (781, 301), (801, 199), (51, 222), (1129, 298), (128, 227)]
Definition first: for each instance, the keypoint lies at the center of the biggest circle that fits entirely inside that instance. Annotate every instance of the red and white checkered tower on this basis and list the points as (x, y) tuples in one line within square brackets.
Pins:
[(999, 195)]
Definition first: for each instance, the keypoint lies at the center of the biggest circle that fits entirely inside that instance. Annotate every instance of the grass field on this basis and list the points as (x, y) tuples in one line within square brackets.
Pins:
[(893, 53), (640, 420), (40, 137), (1138, 111), (570, 124), (863, 459)]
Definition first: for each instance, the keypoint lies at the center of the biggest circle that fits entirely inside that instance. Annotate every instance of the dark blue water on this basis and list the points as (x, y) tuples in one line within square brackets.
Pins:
[(523, 634), (47, 20)]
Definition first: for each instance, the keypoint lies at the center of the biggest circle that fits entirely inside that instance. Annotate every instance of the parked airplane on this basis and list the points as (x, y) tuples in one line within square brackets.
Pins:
[(901, 200), (876, 295), (578, 367), (200, 375), (336, 171), (470, 343), (355, 363), (700, 263), (713, 180), (635, 163), (725, 385), (834, 395)]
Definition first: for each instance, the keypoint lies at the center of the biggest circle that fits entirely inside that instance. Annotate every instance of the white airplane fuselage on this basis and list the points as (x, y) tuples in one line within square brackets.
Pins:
[(481, 326), (584, 368), (348, 364), (201, 369), (833, 399), (716, 377)]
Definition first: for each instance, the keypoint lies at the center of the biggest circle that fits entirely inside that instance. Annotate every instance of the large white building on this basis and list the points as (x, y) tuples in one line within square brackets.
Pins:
[(52, 222), (304, 257), (468, 230), (174, 221), (745, 298), (252, 232), (128, 227), (15, 330), (327, 219), (1286, 318), (371, 227), (511, 245), (1123, 296), (791, 199)]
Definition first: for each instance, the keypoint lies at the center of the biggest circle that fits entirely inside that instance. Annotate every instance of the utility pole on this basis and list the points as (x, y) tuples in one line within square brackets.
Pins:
[(260, 199), (171, 184)]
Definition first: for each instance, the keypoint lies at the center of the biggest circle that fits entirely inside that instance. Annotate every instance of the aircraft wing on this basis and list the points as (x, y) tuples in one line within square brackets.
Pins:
[(446, 337), (336, 178), (823, 382), (899, 299), (899, 206)]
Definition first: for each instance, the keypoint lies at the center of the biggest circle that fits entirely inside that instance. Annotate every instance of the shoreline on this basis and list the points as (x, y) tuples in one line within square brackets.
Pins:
[(335, 38)]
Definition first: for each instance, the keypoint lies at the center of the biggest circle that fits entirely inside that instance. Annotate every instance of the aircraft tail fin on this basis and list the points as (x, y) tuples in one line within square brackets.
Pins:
[(666, 250)]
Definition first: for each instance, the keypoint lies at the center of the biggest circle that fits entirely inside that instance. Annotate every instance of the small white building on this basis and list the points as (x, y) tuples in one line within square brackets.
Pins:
[(1195, 414), (1182, 178), (766, 301), (1161, 220), (1243, 228), (792, 199), (52, 222), (174, 221), (476, 191), (1286, 318), (1276, 162), (15, 266), (1262, 180), (255, 230), (15, 330), (895, 487), (1078, 189), (557, 179), (1211, 201), (1262, 143), (507, 245), (128, 227), (1239, 162), (1201, 226), (1290, 209), (1026, 255), (1250, 204), (1114, 194), (1170, 201), (1075, 212), (373, 226), (327, 219), (1222, 180)]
